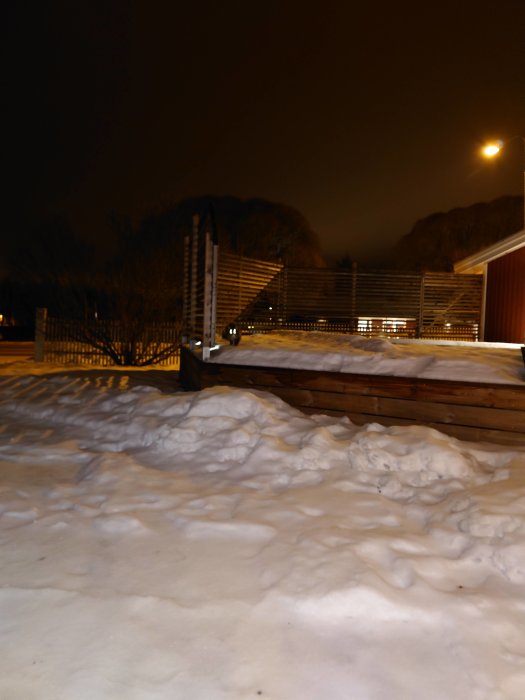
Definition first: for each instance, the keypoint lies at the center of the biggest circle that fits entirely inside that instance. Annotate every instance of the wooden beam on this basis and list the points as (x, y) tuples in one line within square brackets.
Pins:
[(467, 410)]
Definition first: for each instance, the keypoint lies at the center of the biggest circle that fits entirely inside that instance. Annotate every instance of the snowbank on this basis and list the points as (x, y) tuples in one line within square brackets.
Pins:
[(222, 545)]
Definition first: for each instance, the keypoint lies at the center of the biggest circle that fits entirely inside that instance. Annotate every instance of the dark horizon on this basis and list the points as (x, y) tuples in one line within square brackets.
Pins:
[(364, 120)]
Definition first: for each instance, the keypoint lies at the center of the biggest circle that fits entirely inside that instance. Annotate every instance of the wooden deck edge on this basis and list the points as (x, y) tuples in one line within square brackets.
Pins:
[(469, 411)]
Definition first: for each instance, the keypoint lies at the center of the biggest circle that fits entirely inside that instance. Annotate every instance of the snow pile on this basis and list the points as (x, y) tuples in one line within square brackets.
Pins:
[(222, 545), (475, 362)]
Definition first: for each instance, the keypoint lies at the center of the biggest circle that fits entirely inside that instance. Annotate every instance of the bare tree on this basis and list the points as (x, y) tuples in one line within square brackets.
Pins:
[(127, 307)]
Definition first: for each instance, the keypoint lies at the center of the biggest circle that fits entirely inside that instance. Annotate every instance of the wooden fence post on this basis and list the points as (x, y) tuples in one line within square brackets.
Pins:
[(194, 257), (421, 313), (207, 321), (214, 290), (353, 303), (186, 294), (40, 334)]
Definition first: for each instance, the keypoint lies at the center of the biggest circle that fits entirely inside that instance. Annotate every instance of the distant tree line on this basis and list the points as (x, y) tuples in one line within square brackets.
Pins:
[(254, 228), (438, 241)]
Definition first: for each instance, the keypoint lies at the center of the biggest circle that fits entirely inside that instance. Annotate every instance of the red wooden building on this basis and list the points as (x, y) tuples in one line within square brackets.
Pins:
[(503, 267)]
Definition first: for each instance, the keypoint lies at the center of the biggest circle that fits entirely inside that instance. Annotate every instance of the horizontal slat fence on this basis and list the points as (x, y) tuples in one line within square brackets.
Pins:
[(259, 296), (401, 305), (451, 298), (240, 282)]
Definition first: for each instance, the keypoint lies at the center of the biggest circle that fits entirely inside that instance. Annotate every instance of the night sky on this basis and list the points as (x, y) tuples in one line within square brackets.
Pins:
[(365, 118)]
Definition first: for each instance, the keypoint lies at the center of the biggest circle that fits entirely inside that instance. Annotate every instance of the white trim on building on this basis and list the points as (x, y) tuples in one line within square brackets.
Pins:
[(476, 264)]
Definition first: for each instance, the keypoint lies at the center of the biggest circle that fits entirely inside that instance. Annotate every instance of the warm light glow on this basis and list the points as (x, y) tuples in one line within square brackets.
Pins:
[(492, 149), (386, 325)]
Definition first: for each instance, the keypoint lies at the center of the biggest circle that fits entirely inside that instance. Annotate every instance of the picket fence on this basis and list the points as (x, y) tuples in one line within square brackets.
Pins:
[(63, 341)]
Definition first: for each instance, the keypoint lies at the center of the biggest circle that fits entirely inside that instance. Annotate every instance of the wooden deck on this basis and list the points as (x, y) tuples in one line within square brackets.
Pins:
[(466, 410)]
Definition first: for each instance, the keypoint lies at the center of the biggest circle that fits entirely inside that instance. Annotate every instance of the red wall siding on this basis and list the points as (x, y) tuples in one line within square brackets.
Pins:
[(505, 307)]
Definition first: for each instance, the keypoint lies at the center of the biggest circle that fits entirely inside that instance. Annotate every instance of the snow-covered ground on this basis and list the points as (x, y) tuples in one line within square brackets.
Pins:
[(156, 544)]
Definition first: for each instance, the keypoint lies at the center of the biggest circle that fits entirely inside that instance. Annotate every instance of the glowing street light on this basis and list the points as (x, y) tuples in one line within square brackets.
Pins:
[(494, 147)]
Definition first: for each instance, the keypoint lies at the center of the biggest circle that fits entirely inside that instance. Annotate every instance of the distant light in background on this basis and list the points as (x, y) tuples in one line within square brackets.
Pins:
[(492, 149)]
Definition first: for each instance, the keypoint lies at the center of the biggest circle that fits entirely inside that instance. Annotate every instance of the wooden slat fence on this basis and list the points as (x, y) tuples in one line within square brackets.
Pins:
[(245, 285), (410, 305), (259, 296), (390, 294), (451, 298), (194, 307)]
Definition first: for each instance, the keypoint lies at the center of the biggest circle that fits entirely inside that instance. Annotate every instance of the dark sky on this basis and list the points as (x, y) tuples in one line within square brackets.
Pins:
[(365, 118)]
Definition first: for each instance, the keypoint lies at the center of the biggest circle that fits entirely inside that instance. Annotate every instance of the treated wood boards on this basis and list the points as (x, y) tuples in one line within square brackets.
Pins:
[(465, 409)]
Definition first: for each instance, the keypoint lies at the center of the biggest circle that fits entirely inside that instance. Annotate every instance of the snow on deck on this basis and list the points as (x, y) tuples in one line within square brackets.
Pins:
[(477, 362)]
